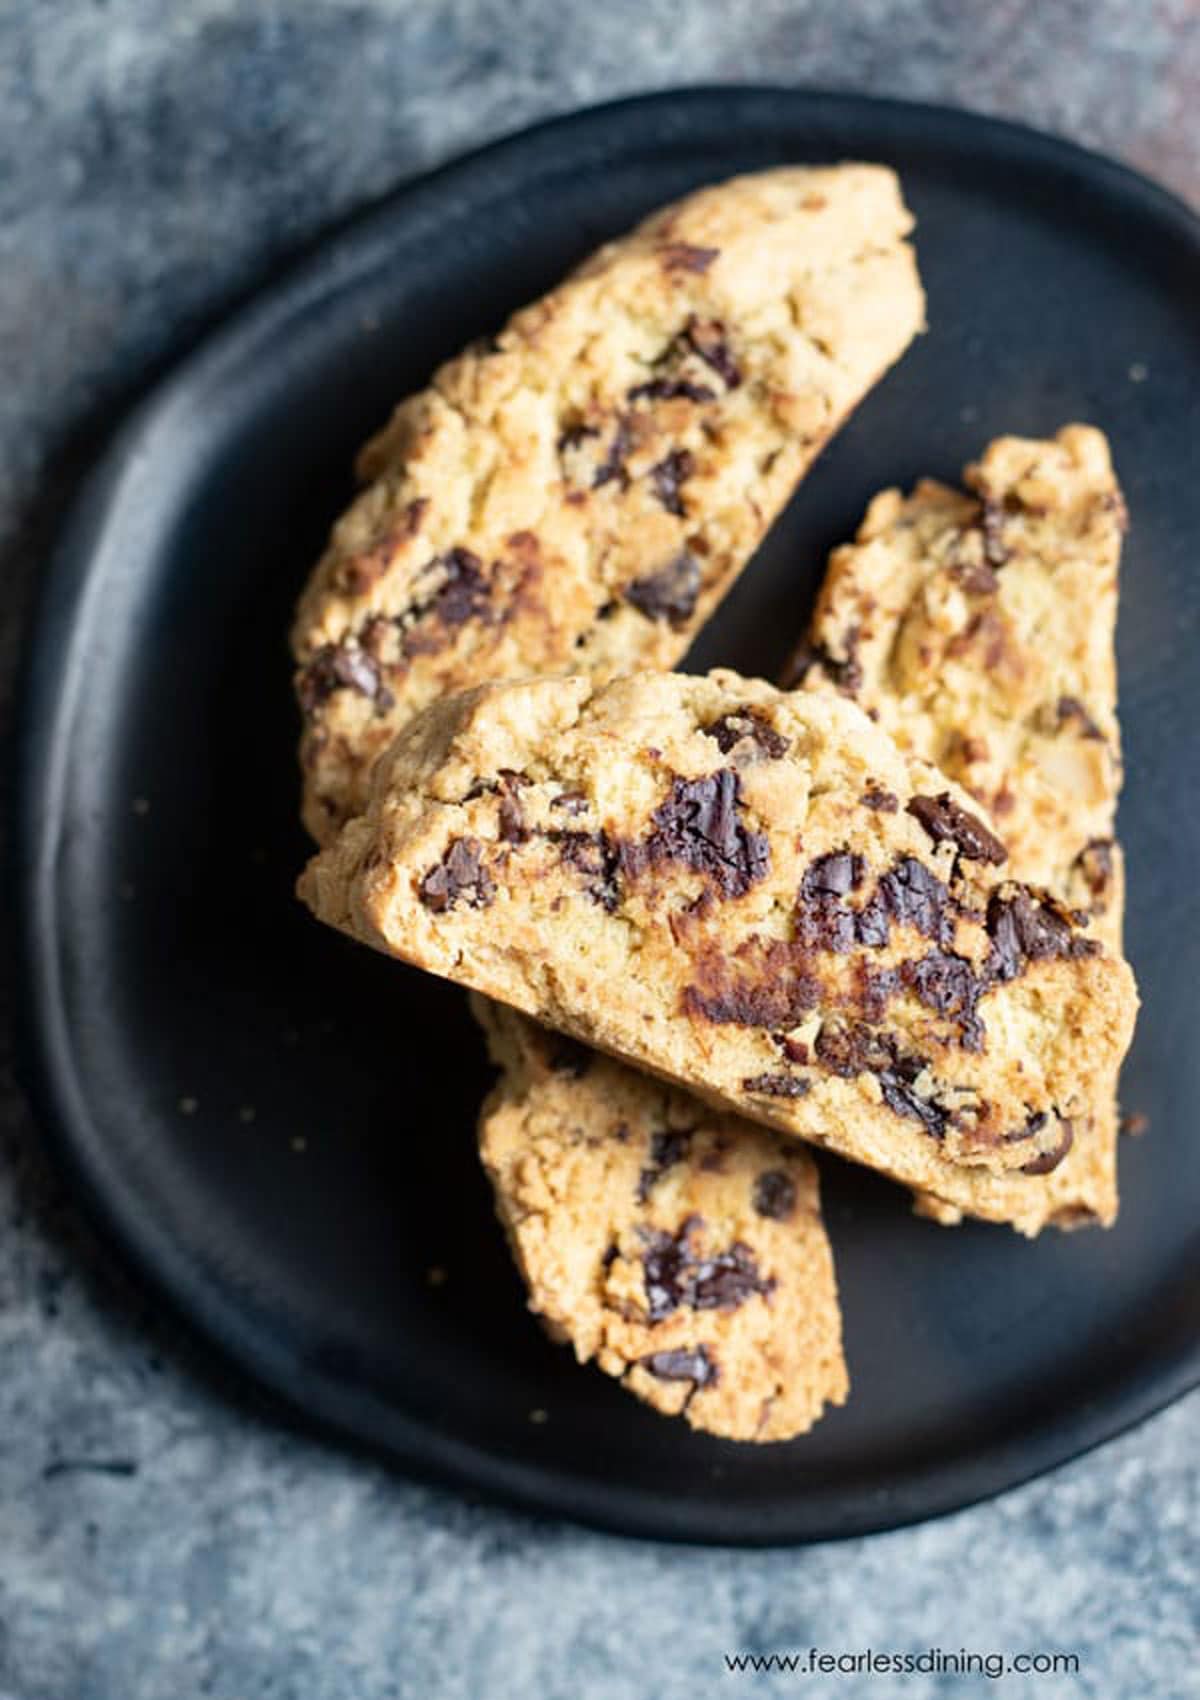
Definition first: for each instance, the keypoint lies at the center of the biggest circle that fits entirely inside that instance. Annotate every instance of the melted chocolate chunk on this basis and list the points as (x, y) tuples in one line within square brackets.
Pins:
[(698, 825), (945, 820), (948, 983), (795, 1050), (901, 1095), (707, 338), (777, 1085), (833, 875), (823, 921), (670, 593), (875, 797), (613, 465), (684, 257), (847, 675), (775, 1195), (570, 802), (1029, 926), (749, 723), (459, 874), (1049, 1160), (912, 897), (596, 857), (682, 1365), (850, 1048), (847, 1048), (464, 592), (341, 666), (666, 1149), (674, 1276), (669, 477), (776, 991)]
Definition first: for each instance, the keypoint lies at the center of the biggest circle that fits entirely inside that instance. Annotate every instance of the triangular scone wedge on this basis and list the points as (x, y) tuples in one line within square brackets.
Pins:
[(680, 1249), (578, 493), (979, 628), (751, 893)]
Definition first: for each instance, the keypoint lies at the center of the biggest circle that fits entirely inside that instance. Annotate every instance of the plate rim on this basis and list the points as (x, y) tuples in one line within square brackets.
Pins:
[(46, 686)]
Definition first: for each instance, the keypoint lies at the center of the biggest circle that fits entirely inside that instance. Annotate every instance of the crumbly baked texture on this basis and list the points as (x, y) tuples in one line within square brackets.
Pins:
[(680, 1249), (978, 627), (578, 493), (751, 893)]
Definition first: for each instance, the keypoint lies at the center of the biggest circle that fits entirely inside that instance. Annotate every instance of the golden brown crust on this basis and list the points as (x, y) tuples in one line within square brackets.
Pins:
[(579, 493), (978, 628), (727, 908), (681, 1250)]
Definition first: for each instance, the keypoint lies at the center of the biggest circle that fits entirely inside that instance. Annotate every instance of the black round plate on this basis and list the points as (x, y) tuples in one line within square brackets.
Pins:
[(278, 1126)]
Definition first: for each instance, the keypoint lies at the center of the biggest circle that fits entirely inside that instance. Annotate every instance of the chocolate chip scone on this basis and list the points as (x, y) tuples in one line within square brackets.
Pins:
[(578, 493), (680, 1249), (978, 627), (754, 894)]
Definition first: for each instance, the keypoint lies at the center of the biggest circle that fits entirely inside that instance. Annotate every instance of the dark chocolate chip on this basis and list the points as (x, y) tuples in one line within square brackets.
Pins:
[(682, 1365), (670, 593), (775, 1195), (1049, 1160), (874, 797), (912, 896), (668, 478), (613, 465), (751, 723), (708, 339), (1030, 926), (570, 802), (777, 1085), (948, 983), (823, 921), (946, 821), (340, 666), (459, 874), (464, 592), (596, 857), (675, 1277), (666, 1149), (846, 675), (699, 826)]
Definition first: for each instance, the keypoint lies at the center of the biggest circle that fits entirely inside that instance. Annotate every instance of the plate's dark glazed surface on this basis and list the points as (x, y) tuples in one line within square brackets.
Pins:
[(279, 1127)]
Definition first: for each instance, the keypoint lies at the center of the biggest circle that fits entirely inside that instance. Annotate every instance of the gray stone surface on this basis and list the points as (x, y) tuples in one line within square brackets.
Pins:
[(154, 162)]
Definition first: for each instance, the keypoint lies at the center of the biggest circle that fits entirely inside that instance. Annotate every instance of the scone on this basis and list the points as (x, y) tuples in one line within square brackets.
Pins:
[(979, 629), (578, 493), (753, 894), (680, 1249)]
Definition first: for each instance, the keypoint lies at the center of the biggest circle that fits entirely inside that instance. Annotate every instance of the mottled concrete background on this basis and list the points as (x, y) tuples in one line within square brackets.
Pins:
[(155, 160)]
